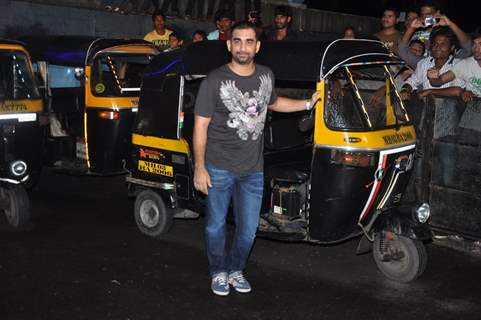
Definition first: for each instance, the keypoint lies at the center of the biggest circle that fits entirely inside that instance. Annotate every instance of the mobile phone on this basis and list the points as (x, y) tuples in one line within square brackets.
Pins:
[(429, 21)]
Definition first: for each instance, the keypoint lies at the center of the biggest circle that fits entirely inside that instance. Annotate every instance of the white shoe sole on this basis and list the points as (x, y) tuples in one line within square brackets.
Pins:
[(220, 293)]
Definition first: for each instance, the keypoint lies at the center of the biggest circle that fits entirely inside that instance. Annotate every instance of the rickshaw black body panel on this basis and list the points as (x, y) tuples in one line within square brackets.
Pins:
[(106, 154), (334, 210), (20, 141)]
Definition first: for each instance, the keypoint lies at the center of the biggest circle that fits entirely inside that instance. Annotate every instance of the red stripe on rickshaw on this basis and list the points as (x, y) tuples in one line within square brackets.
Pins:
[(376, 190)]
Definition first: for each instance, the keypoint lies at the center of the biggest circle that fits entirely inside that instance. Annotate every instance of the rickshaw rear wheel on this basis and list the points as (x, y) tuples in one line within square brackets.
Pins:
[(399, 258), (151, 215), (17, 206)]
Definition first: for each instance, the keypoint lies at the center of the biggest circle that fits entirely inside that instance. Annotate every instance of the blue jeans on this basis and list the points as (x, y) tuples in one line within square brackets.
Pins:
[(246, 193)]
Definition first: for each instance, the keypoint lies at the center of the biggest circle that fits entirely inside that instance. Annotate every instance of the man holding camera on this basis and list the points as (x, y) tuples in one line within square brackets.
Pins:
[(420, 29)]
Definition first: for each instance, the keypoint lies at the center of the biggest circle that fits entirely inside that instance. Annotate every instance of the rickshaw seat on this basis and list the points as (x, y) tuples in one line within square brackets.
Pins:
[(295, 171)]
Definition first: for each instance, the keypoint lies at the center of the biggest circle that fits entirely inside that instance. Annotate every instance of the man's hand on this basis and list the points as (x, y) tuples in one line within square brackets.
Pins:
[(417, 23), (202, 180), (405, 95), (443, 21), (433, 74), (311, 103), (467, 96), (425, 93)]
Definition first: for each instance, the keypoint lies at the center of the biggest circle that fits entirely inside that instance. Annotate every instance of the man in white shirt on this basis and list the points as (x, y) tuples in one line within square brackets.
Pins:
[(442, 47), (467, 70)]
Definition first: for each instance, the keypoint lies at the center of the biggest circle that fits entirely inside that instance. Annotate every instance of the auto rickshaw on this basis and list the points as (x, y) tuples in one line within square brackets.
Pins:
[(92, 90), (331, 174), (20, 131)]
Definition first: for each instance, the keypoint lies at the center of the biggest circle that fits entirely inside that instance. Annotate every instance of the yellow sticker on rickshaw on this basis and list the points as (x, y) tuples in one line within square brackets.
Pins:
[(155, 168), (100, 88)]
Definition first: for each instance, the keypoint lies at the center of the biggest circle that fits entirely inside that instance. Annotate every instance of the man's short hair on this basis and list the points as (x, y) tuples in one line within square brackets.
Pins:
[(221, 14), (444, 31), (476, 34), (243, 25), (283, 11), (393, 9), (157, 12), (201, 33), (429, 3)]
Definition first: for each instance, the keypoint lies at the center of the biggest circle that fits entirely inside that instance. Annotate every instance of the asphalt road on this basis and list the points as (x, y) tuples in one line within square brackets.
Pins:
[(85, 259)]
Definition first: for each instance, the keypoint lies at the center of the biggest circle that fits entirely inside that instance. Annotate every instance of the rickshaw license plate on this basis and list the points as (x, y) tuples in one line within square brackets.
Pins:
[(156, 168)]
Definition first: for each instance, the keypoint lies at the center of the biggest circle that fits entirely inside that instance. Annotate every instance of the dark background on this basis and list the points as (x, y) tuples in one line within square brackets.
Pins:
[(463, 13)]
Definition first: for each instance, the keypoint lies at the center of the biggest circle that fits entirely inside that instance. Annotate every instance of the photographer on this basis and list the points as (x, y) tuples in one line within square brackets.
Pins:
[(420, 29)]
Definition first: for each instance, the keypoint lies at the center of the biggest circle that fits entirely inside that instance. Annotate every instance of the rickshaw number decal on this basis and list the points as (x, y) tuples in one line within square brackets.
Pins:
[(156, 168), (398, 138), (12, 106)]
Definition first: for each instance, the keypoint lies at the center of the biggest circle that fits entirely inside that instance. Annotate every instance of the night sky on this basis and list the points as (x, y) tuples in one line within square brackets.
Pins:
[(462, 12)]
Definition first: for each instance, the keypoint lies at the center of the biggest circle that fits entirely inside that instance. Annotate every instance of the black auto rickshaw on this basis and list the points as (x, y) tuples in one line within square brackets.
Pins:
[(92, 90), (331, 174), (20, 131)]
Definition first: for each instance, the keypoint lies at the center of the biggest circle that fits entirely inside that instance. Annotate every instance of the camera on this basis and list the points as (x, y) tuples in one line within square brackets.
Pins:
[(429, 21)]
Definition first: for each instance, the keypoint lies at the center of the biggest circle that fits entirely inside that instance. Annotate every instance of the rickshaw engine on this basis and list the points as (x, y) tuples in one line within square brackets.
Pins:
[(287, 199)]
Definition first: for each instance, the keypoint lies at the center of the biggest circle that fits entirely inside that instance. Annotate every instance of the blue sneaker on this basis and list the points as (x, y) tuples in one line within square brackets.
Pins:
[(239, 282), (220, 284)]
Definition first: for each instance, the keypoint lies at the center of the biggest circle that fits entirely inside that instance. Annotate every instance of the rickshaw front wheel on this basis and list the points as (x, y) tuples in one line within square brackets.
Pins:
[(16, 206), (398, 257), (151, 215)]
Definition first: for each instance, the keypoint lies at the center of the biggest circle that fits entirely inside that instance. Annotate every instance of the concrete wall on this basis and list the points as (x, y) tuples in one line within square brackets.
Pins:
[(22, 17), (85, 17)]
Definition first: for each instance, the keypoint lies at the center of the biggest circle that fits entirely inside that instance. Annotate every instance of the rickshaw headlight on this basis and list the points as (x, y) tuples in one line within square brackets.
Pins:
[(18, 168), (423, 212)]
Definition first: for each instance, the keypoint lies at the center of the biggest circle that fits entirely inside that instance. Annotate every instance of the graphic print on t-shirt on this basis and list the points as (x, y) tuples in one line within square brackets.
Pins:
[(246, 112)]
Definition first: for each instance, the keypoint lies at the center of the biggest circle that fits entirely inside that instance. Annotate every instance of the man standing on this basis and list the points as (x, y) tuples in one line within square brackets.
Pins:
[(282, 21), (230, 113), (389, 35), (160, 35)]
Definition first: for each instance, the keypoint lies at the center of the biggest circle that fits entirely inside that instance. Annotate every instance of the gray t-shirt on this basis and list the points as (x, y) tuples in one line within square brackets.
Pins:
[(237, 106)]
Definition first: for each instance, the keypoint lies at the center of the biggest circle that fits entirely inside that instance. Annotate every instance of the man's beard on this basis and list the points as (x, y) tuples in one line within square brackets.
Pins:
[(281, 26), (246, 59)]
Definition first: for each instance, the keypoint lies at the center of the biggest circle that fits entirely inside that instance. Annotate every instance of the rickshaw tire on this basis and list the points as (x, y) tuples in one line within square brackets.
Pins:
[(18, 214), (159, 217), (417, 262)]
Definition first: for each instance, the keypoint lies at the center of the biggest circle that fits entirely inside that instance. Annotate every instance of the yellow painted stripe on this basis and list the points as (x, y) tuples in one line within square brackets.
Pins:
[(21, 106), (86, 141), (16, 47), (180, 146)]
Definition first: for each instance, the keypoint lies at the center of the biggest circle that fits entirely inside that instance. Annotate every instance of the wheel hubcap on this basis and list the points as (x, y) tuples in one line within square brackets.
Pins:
[(149, 213)]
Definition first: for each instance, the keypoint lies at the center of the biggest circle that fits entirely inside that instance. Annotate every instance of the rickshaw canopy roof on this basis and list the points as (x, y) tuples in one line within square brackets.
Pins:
[(289, 60), (75, 51), (14, 42)]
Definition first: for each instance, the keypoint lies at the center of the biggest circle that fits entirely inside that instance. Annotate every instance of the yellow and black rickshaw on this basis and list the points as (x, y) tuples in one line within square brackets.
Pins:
[(20, 131), (92, 89), (331, 174)]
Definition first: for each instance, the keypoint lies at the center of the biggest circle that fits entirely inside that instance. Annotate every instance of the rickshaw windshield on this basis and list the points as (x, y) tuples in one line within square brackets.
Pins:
[(364, 97), (118, 75), (16, 77)]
